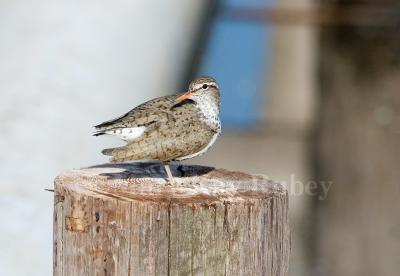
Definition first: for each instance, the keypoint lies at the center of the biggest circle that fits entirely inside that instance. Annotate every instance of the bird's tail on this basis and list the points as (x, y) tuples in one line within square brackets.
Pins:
[(132, 151), (118, 154), (98, 133), (108, 151), (114, 152)]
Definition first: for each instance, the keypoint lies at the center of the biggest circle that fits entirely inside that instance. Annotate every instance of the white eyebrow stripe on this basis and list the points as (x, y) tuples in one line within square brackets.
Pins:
[(198, 86)]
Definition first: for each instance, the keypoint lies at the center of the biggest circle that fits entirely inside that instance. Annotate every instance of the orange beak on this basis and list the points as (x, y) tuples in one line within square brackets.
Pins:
[(184, 96)]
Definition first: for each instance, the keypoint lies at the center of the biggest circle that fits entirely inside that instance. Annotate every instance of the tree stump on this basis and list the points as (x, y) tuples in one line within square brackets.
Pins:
[(122, 219)]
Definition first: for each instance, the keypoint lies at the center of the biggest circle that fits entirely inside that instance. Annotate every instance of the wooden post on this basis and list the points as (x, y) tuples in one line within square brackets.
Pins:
[(122, 219)]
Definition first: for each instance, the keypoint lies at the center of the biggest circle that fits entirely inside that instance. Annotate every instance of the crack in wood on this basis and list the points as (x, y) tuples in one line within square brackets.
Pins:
[(169, 240)]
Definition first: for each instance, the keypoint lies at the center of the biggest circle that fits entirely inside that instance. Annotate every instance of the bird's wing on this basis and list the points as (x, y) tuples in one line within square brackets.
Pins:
[(150, 112)]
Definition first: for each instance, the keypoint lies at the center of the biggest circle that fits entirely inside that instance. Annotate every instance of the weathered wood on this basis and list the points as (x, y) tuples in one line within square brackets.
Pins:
[(124, 220)]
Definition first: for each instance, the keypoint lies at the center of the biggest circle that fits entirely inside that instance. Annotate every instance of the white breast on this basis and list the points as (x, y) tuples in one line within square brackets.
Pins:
[(210, 113), (127, 133)]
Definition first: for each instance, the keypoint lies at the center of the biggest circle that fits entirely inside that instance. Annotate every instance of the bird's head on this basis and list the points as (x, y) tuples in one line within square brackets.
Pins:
[(200, 88)]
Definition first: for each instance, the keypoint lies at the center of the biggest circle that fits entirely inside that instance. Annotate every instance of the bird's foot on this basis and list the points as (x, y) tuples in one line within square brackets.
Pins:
[(170, 179)]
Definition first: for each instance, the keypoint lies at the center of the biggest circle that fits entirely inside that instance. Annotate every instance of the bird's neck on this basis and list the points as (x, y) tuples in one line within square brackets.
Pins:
[(209, 109)]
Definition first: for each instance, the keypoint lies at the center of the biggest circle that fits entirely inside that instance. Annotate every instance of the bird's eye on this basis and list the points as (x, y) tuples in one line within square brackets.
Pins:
[(205, 86)]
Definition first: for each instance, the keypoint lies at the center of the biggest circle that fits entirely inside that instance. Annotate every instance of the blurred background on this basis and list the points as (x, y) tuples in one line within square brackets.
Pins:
[(310, 95)]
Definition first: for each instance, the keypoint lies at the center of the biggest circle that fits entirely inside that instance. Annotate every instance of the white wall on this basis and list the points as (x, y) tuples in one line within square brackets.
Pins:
[(65, 66)]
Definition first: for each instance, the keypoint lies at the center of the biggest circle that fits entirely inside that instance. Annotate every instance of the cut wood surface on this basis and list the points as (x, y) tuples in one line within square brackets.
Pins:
[(122, 219)]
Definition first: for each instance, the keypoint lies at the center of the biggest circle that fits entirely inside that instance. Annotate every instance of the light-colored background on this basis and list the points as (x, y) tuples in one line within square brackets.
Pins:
[(65, 66)]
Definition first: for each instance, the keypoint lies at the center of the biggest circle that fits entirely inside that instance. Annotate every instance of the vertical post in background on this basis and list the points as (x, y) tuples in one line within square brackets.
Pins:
[(358, 138)]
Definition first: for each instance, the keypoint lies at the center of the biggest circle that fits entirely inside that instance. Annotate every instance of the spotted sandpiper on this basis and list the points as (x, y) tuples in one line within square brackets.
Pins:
[(169, 128)]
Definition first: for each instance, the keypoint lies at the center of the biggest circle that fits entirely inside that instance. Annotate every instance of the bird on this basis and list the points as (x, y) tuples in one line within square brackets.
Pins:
[(168, 128)]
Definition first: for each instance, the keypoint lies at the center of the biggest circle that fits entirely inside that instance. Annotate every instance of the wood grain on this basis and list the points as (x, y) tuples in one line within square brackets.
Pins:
[(122, 219)]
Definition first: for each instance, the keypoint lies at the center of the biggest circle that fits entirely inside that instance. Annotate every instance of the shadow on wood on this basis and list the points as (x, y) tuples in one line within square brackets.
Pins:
[(153, 170), (121, 219)]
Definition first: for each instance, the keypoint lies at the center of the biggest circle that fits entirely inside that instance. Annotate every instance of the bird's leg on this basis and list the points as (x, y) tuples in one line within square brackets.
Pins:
[(168, 171)]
